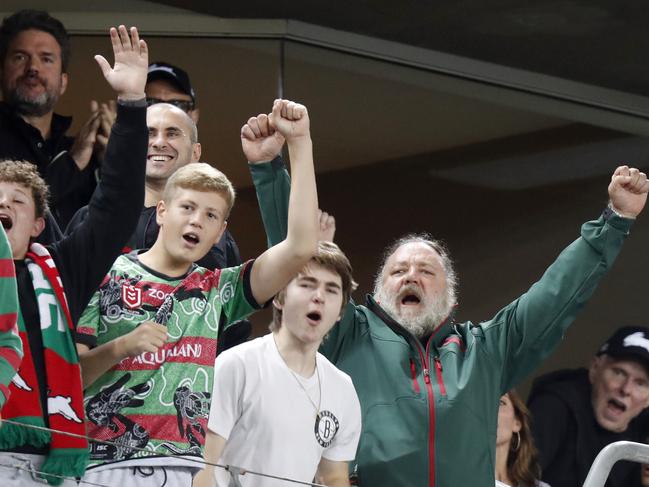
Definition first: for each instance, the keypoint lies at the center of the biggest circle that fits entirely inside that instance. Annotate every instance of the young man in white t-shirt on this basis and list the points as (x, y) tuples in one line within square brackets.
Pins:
[(278, 406)]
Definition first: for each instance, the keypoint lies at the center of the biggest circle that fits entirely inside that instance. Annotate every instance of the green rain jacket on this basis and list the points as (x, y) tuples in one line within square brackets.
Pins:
[(430, 412)]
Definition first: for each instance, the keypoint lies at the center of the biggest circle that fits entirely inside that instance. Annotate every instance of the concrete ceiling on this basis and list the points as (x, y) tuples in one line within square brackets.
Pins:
[(597, 42), (359, 114), (384, 80)]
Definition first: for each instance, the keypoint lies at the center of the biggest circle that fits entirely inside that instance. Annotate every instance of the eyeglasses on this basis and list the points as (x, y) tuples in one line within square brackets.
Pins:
[(184, 105)]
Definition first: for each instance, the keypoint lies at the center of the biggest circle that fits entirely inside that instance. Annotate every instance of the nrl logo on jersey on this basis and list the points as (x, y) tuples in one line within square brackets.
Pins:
[(131, 296)]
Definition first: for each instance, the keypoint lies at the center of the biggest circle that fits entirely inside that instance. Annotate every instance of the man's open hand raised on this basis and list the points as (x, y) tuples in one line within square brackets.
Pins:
[(128, 76)]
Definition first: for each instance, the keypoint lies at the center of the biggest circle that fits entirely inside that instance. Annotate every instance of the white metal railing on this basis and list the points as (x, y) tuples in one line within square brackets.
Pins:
[(620, 450)]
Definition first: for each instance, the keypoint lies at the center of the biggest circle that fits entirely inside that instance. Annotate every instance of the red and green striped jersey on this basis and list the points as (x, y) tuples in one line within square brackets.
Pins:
[(11, 350), (159, 401)]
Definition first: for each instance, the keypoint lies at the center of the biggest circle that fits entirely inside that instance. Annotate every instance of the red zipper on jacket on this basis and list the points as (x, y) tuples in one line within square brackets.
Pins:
[(440, 378), (413, 372), (431, 413)]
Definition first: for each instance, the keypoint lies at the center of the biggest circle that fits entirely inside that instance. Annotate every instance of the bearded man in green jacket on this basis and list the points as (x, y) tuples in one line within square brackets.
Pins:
[(429, 388)]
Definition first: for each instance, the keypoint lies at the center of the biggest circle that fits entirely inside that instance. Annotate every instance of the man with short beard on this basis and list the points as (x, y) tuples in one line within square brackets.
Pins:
[(430, 388), (34, 57)]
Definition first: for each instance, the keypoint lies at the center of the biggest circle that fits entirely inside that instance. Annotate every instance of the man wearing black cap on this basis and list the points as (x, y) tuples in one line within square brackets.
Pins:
[(166, 83), (576, 413)]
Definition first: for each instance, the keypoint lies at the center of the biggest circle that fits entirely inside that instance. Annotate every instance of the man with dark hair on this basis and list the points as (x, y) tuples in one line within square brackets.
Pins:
[(35, 20), (167, 83), (34, 57), (578, 412)]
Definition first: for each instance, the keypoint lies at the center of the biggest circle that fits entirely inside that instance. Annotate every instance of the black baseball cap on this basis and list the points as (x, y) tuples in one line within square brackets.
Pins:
[(628, 342), (173, 74)]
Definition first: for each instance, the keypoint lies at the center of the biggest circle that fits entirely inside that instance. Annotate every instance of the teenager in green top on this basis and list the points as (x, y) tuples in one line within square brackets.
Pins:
[(156, 317)]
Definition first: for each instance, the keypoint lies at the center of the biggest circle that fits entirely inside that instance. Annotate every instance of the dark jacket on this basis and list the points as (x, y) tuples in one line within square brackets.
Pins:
[(70, 187), (568, 436)]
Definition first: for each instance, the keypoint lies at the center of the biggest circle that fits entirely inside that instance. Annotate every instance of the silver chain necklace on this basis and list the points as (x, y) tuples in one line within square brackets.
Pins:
[(299, 382)]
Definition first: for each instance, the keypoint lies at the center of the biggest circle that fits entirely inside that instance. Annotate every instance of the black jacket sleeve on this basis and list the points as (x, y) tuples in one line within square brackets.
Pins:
[(550, 424), (72, 187), (86, 254), (51, 233), (78, 218), (64, 177)]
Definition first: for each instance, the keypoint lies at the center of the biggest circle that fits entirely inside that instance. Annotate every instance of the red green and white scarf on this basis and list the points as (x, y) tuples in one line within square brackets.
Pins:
[(67, 456)]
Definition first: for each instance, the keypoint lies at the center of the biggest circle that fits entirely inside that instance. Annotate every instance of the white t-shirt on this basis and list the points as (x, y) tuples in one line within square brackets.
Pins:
[(270, 423)]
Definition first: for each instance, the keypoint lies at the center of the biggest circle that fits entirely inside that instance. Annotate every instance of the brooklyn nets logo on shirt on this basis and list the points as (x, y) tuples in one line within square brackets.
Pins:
[(326, 427)]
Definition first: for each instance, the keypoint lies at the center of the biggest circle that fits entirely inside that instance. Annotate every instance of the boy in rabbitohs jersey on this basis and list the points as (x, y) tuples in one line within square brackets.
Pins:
[(148, 339)]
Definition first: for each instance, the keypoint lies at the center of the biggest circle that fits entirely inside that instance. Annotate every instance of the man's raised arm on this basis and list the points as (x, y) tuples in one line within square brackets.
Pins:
[(277, 266), (115, 206), (262, 147), (526, 331)]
